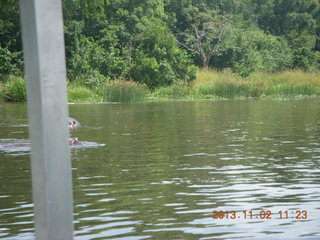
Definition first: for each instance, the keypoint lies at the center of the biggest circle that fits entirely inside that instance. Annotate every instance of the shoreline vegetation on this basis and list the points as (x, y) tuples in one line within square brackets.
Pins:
[(209, 84), (176, 49)]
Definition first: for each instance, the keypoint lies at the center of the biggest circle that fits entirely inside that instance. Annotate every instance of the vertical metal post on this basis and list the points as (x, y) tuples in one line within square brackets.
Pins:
[(44, 55)]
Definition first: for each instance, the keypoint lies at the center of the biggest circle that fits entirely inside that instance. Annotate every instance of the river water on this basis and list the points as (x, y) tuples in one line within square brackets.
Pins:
[(160, 170)]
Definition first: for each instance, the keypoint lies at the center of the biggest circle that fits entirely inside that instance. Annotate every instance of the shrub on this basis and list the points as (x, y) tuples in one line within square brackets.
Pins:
[(158, 61), (306, 59), (147, 71), (254, 50), (10, 62)]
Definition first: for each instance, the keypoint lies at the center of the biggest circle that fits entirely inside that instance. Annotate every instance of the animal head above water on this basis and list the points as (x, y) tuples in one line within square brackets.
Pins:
[(73, 123)]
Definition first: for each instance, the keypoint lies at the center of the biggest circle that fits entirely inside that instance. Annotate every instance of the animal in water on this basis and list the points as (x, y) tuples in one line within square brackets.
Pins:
[(75, 141), (73, 123)]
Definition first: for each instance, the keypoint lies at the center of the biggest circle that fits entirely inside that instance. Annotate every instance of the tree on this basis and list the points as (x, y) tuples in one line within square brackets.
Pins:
[(158, 59), (10, 39), (207, 35), (254, 50), (280, 17)]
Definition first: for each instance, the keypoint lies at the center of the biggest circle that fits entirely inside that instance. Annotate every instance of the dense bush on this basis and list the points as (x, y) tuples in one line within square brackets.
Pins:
[(159, 61), (255, 50), (159, 42), (130, 42), (10, 62)]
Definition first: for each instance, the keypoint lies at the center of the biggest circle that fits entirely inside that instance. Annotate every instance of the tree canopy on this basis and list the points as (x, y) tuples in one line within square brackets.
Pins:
[(160, 42)]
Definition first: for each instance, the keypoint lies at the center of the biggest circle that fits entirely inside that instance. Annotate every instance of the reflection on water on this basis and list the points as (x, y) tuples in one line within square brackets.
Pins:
[(14, 146), (22, 146), (166, 166)]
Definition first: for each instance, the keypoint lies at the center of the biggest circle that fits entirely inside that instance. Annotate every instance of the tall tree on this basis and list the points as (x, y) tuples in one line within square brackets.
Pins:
[(207, 35)]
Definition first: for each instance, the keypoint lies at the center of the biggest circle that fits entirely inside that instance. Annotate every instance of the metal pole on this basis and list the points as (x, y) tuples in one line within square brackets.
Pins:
[(43, 44)]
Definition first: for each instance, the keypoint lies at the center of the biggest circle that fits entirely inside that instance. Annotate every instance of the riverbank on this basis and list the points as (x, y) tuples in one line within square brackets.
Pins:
[(212, 84), (209, 84)]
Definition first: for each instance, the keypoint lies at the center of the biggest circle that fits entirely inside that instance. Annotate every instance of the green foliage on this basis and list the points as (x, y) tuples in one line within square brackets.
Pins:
[(290, 90), (282, 16), (10, 62), (160, 62), (232, 90), (86, 59), (14, 90), (159, 42), (78, 93), (176, 91), (229, 90), (255, 50), (10, 39), (207, 35), (147, 71), (212, 84), (7, 7), (125, 91), (306, 59), (208, 85), (131, 41)]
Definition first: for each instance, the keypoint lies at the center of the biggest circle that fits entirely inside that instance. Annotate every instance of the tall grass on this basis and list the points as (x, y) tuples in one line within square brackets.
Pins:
[(176, 91), (1, 92), (78, 93), (14, 89), (209, 84), (291, 90), (228, 90), (214, 84), (293, 77), (124, 91)]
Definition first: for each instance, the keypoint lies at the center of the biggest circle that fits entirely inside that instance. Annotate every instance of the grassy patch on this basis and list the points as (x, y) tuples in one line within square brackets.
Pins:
[(82, 94), (176, 91), (14, 89), (214, 84), (209, 84), (125, 91), (227, 90), (291, 90), (293, 77)]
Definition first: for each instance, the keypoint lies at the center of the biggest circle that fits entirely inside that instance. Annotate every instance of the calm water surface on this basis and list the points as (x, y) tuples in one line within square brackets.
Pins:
[(165, 167)]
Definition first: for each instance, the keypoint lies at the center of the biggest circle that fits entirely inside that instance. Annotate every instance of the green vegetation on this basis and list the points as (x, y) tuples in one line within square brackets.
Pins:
[(177, 91), (82, 94), (14, 89), (124, 91), (209, 84), (255, 47), (225, 85), (228, 90)]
